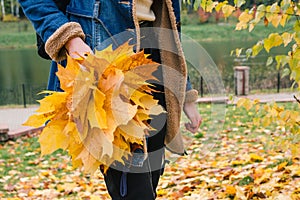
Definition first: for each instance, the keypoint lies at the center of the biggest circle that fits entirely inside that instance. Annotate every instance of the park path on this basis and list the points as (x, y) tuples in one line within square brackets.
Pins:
[(13, 118)]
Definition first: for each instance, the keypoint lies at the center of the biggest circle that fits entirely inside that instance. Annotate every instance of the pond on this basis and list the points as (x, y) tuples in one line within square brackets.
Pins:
[(22, 66), (24, 70), (21, 71), (261, 76)]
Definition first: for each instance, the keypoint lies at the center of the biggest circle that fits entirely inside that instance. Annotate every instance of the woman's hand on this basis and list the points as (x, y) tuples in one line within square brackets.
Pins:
[(191, 111), (76, 48)]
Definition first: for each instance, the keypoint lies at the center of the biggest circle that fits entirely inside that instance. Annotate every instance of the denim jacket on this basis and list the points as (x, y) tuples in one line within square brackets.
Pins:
[(97, 22)]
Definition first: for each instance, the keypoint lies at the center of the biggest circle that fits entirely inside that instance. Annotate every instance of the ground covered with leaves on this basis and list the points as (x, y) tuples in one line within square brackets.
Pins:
[(246, 162)]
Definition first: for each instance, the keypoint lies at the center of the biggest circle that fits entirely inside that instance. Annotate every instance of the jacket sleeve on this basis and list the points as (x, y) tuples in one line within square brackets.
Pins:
[(52, 25), (191, 94)]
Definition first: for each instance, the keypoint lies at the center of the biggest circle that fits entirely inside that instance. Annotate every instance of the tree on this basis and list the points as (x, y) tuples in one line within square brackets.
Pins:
[(18, 10), (190, 7), (10, 10), (2, 8), (12, 7), (286, 14)]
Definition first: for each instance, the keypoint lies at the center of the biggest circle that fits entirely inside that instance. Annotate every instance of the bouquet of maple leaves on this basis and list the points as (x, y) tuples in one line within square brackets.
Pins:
[(104, 107)]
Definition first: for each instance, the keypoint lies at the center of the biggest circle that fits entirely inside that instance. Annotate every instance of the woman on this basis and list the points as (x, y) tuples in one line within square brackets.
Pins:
[(95, 24)]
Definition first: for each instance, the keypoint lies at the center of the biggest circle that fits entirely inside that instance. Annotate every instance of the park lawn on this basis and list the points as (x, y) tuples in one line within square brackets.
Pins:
[(15, 35), (22, 35), (227, 32), (241, 163)]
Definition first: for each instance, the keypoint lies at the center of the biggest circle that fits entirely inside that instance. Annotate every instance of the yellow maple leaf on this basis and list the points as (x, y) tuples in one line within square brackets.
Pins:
[(55, 131), (230, 190), (82, 90), (98, 64), (121, 147), (122, 111), (99, 110), (93, 197), (112, 56), (129, 138), (67, 187), (136, 77), (110, 79), (282, 166), (38, 120), (89, 162), (74, 149), (51, 107), (134, 129), (132, 62), (255, 158), (67, 74), (161, 192), (136, 98)]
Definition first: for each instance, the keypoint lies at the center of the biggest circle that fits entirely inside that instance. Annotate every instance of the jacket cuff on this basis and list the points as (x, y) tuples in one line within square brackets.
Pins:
[(191, 96), (55, 44)]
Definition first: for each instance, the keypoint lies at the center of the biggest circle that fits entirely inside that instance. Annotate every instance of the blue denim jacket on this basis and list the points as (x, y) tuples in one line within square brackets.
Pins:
[(99, 19)]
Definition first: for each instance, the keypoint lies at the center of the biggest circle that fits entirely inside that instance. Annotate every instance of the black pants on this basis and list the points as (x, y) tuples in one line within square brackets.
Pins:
[(141, 182)]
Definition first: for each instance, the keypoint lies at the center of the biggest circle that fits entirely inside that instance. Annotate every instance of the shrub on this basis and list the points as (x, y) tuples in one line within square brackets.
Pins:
[(10, 18)]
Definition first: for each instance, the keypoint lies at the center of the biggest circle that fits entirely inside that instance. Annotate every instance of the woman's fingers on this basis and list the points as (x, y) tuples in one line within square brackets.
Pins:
[(77, 48)]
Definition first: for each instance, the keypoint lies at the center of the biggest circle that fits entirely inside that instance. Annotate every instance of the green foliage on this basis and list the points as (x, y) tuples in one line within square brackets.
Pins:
[(246, 181), (9, 10)]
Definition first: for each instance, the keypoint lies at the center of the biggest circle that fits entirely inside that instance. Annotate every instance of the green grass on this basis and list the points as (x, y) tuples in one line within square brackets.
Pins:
[(22, 35), (17, 35), (224, 30), (227, 32), (273, 91), (18, 106)]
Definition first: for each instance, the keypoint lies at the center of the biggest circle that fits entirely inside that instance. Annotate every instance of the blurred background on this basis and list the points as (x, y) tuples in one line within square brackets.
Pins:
[(23, 73)]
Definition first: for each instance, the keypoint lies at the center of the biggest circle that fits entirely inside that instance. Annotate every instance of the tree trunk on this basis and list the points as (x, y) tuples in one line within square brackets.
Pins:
[(3, 8), (190, 7), (18, 10), (12, 7)]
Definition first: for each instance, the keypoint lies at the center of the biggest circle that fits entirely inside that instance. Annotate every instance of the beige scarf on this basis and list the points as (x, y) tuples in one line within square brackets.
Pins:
[(143, 10)]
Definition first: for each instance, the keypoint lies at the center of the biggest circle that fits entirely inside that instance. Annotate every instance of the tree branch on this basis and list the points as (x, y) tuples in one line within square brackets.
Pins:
[(298, 100)]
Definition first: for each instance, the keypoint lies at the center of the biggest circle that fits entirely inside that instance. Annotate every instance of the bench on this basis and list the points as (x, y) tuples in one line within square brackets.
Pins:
[(4, 132)]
